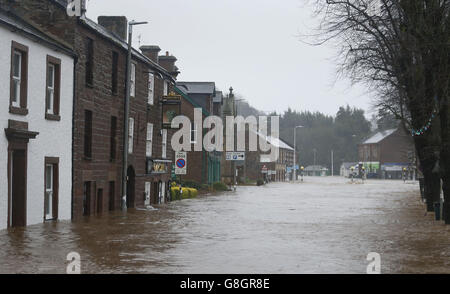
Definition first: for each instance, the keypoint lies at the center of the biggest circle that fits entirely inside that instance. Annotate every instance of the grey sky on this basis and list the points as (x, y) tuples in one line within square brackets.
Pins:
[(251, 45)]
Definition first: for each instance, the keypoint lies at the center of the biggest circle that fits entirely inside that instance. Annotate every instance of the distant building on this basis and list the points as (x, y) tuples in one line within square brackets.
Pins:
[(316, 171), (258, 167), (385, 154)]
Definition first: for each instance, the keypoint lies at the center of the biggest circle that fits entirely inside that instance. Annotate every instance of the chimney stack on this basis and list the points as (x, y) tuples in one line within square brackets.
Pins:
[(151, 51), (118, 25), (168, 63)]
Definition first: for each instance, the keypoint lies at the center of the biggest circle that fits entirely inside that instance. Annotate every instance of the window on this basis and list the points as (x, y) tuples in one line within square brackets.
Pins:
[(113, 138), (88, 134), (52, 94), (16, 76), (89, 62), (130, 135), (164, 143), (151, 88), (115, 68), (19, 79), (193, 133), (166, 88), (133, 80), (51, 188), (149, 143)]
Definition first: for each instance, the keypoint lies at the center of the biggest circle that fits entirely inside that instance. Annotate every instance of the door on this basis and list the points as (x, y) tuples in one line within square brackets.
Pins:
[(147, 193), (18, 189), (48, 202), (130, 187), (163, 192), (99, 201)]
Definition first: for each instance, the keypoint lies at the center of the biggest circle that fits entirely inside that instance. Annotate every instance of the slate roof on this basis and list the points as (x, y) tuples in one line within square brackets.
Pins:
[(198, 87), (380, 136)]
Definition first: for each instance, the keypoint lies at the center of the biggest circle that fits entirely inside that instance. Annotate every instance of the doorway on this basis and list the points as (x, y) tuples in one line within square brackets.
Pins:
[(131, 175), (18, 208)]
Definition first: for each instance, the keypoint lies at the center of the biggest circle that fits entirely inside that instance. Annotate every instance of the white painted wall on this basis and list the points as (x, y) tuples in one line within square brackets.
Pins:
[(54, 139)]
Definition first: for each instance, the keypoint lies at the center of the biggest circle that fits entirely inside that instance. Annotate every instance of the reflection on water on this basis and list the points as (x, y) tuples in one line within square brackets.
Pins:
[(324, 225)]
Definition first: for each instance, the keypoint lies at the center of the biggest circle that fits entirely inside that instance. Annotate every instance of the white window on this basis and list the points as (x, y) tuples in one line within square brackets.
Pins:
[(193, 133), (130, 135), (17, 73), (48, 214), (147, 193), (164, 143), (166, 88), (133, 80), (151, 88), (51, 89), (149, 144)]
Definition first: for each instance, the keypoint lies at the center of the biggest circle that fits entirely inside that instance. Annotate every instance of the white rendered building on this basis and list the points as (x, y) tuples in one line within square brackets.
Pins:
[(37, 92)]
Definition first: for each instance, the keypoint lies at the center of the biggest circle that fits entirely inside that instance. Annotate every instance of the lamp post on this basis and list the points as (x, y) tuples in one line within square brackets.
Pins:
[(126, 113), (295, 150)]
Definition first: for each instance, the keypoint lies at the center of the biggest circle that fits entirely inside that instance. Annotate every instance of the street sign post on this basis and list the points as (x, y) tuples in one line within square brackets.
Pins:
[(235, 156), (180, 163)]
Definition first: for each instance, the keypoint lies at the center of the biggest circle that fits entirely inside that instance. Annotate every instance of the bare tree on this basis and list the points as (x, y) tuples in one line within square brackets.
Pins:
[(400, 49)]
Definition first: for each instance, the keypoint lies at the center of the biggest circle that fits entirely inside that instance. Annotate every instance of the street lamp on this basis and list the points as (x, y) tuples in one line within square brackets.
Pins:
[(295, 150), (126, 112)]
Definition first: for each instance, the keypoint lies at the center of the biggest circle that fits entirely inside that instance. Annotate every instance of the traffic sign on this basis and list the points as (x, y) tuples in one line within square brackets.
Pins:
[(235, 156), (180, 163)]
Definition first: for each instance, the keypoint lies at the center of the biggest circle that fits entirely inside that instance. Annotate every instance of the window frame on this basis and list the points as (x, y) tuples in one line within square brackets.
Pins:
[(89, 70), (19, 107), (115, 73), (130, 135), (113, 139), (149, 141), (164, 143), (56, 63), (166, 88), (87, 152), (194, 130), (133, 79), (151, 89)]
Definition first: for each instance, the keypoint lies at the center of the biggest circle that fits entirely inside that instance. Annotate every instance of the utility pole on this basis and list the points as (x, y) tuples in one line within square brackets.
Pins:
[(295, 151), (126, 114)]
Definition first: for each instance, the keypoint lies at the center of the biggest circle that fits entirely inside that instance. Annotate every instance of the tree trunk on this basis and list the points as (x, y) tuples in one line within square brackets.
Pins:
[(445, 158), (428, 156)]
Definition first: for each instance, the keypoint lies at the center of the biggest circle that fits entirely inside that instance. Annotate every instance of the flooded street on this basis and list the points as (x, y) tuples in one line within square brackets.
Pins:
[(324, 225)]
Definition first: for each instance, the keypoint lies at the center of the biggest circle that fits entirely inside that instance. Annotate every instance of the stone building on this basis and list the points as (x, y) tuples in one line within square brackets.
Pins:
[(203, 166), (100, 75), (37, 87), (385, 154)]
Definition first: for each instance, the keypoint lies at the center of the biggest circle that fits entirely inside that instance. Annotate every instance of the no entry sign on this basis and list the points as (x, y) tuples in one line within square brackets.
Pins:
[(180, 163)]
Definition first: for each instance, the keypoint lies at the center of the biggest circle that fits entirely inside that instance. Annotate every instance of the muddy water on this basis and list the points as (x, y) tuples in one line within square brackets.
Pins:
[(324, 225)]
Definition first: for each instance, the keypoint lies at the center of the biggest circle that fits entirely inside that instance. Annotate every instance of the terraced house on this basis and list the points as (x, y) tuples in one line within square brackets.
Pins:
[(98, 122), (37, 93)]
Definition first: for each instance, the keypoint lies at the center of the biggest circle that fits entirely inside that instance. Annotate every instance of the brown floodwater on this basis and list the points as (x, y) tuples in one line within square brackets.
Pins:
[(324, 225)]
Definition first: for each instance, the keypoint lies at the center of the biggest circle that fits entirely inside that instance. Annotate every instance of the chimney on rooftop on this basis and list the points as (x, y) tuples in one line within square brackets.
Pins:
[(168, 63), (151, 51), (118, 25)]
